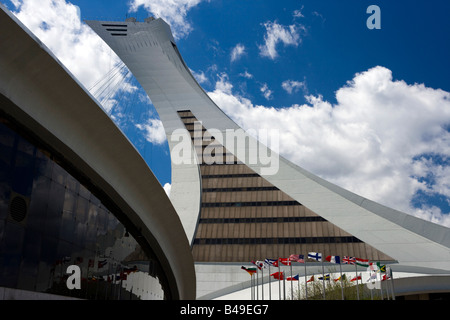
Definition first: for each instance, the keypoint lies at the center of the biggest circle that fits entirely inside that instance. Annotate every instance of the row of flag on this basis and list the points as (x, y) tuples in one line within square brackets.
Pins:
[(313, 256), (281, 276), (317, 256), (375, 268)]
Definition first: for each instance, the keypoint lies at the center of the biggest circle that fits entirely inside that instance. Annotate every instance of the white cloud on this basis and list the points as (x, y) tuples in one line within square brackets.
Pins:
[(223, 84), (154, 131), (293, 86), (246, 74), (174, 12), (373, 141), (275, 34), (199, 76), (266, 92), (298, 13), (57, 24), (237, 52)]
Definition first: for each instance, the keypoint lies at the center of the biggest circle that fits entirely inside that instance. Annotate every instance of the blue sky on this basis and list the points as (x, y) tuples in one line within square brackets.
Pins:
[(366, 109)]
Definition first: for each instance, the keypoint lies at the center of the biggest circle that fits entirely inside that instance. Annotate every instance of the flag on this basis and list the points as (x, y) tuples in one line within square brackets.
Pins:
[(259, 264), (310, 279), (278, 275), (326, 277), (385, 277), (271, 262), (333, 259), (285, 261), (315, 256), (381, 267), (356, 278), (294, 278), (297, 258), (342, 278), (349, 260), (102, 263), (362, 262), (250, 271)]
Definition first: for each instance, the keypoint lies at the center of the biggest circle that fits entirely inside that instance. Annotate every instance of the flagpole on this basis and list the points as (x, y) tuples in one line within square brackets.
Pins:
[(342, 285), (323, 279), (381, 287), (314, 287), (292, 289), (306, 283), (388, 295), (257, 284), (392, 283), (357, 285), (270, 285), (262, 281), (251, 287), (386, 278), (371, 292), (279, 279)]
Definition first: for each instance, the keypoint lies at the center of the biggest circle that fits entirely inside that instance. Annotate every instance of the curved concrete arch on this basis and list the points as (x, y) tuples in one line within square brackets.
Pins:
[(41, 95)]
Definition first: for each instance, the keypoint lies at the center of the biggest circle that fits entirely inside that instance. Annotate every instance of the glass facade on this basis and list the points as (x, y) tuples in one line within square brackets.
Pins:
[(49, 220)]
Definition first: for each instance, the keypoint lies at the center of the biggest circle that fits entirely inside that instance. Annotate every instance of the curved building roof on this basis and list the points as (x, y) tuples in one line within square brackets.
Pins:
[(150, 52), (43, 96)]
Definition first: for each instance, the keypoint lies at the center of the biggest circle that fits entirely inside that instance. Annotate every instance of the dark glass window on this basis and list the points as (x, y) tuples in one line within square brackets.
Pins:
[(49, 220)]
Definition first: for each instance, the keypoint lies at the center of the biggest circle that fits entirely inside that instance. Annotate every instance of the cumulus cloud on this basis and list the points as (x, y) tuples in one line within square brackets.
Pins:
[(57, 24), (266, 92), (382, 139), (293, 86), (275, 34), (246, 74), (154, 131), (237, 52), (199, 76), (174, 12), (298, 13)]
